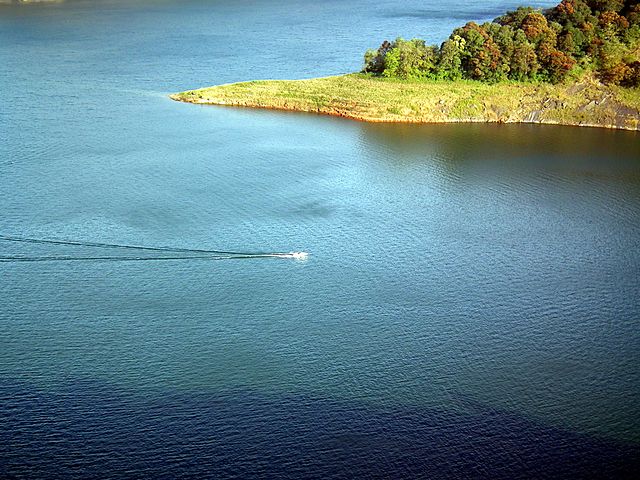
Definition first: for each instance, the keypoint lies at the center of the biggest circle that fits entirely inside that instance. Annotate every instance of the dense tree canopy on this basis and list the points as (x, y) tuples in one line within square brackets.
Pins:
[(527, 44)]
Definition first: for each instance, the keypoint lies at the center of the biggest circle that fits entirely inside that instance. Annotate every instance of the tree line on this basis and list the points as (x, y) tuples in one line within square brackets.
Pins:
[(525, 45)]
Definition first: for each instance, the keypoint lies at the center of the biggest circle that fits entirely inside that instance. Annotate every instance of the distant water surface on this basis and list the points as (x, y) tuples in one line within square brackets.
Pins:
[(470, 308)]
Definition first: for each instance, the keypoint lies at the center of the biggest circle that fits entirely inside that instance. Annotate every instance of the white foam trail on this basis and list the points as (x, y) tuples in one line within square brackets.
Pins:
[(294, 255)]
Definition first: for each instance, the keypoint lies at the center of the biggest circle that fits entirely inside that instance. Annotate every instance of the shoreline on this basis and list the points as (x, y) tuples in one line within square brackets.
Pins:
[(360, 97)]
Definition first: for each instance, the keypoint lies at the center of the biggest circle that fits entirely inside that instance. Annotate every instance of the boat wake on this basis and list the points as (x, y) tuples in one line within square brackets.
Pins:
[(294, 255), (159, 253)]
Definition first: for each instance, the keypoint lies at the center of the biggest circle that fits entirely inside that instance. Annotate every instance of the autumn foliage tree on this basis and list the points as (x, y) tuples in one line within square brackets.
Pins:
[(527, 44)]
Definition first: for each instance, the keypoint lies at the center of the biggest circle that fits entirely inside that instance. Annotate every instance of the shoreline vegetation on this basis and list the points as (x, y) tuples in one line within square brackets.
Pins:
[(364, 97), (575, 64)]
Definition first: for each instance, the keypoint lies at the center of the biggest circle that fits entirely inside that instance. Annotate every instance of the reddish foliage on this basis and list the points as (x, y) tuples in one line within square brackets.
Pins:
[(609, 18), (535, 25), (566, 7), (616, 74)]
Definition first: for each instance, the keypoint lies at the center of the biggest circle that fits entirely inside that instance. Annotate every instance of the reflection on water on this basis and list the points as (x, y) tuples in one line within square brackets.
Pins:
[(521, 146)]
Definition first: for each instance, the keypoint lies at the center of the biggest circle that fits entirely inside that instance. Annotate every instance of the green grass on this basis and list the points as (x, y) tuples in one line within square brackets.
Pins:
[(363, 97)]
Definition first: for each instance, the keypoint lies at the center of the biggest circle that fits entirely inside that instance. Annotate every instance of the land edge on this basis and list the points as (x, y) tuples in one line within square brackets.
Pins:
[(592, 103)]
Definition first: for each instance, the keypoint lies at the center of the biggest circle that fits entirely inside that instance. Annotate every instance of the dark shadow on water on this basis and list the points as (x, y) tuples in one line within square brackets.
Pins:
[(589, 150), (92, 430)]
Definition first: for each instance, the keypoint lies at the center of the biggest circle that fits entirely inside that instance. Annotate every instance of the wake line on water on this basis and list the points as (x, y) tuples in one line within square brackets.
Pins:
[(117, 259), (121, 246), (192, 253)]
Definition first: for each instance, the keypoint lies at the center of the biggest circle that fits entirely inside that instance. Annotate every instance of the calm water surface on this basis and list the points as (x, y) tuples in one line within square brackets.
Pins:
[(470, 309)]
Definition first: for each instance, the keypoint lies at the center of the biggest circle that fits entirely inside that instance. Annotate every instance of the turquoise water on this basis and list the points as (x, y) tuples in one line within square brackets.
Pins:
[(469, 309)]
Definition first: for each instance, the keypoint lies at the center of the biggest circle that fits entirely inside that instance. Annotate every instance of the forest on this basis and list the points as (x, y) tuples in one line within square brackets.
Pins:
[(568, 40)]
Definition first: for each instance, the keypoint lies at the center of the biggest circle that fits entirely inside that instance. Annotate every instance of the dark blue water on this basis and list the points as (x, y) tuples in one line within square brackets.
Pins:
[(470, 308)]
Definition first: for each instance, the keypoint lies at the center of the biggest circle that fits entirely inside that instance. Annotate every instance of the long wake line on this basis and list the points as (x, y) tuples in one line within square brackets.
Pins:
[(8, 259), (122, 246), (193, 253)]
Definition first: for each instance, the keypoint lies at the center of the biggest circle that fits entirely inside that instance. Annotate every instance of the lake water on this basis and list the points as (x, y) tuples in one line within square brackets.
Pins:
[(470, 308)]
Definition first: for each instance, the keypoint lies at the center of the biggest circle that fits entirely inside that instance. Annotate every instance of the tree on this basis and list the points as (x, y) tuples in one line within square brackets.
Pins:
[(612, 24), (573, 42), (556, 64), (515, 18), (503, 36), (537, 29), (410, 59), (524, 62), (450, 59), (616, 73), (481, 56), (374, 59), (572, 13)]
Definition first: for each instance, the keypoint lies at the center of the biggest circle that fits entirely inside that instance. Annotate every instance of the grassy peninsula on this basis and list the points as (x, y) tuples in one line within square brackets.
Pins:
[(575, 64), (376, 99)]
